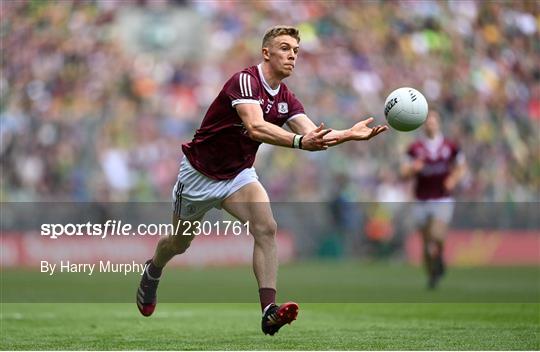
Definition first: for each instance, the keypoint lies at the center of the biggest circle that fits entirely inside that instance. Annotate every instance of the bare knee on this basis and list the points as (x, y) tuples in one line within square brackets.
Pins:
[(438, 230), (264, 230)]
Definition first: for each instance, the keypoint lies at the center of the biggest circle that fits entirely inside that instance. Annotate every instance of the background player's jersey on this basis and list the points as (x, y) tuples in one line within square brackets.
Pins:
[(439, 156), (221, 147)]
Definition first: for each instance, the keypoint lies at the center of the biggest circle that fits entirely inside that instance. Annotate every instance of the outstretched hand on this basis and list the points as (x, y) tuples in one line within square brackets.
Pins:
[(361, 131), (315, 140)]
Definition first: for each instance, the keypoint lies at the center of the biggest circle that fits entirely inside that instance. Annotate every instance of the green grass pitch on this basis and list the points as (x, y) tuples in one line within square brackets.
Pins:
[(510, 322), (321, 326)]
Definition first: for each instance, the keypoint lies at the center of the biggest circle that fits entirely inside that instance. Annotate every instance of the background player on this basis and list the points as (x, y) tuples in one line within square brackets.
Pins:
[(217, 170), (436, 165)]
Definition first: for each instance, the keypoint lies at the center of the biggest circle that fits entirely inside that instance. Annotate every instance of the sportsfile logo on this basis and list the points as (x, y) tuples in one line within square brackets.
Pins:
[(110, 227)]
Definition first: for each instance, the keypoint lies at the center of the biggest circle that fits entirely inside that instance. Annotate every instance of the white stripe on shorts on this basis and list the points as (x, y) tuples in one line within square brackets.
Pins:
[(178, 202)]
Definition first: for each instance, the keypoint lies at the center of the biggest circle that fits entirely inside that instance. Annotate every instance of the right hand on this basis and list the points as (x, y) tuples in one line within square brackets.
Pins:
[(417, 165), (314, 140)]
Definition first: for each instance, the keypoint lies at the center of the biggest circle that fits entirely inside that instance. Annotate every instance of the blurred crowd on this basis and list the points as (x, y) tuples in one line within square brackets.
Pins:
[(97, 96)]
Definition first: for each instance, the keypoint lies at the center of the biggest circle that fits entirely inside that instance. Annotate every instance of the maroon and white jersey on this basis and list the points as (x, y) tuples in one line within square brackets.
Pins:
[(439, 156), (221, 147)]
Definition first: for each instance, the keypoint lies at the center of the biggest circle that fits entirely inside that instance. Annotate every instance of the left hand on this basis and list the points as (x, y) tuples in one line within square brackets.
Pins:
[(361, 131), (450, 183)]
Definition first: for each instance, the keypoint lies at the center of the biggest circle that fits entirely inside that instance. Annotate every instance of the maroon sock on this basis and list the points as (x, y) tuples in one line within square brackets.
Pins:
[(427, 257), (267, 296), (439, 246), (154, 270)]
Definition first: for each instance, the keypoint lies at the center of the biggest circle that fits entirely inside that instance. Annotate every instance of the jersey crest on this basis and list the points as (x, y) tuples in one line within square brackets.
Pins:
[(283, 108)]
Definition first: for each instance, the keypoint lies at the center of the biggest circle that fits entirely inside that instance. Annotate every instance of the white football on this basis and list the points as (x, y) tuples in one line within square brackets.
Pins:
[(405, 109)]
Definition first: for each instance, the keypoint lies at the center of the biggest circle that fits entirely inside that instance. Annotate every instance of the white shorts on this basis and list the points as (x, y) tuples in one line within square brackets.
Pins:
[(194, 194), (440, 209)]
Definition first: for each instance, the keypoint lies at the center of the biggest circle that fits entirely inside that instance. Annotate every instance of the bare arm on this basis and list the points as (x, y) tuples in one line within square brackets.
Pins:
[(410, 169), (457, 173), (360, 131), (262, 131)]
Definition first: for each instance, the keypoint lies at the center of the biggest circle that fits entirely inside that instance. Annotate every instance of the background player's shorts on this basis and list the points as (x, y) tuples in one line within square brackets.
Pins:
[(194, 194), (440, 209)]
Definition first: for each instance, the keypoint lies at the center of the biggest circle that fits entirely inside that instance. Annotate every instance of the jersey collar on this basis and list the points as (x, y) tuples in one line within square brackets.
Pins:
[(272, 92), (434, 143)]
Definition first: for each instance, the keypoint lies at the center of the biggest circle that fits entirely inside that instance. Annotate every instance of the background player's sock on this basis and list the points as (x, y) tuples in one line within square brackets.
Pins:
[(439, 263), (427, 258), (154, 271), (267, 296), (439, 248)]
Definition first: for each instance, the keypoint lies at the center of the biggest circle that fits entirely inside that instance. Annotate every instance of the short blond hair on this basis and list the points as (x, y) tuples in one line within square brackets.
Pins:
[(278, 30)]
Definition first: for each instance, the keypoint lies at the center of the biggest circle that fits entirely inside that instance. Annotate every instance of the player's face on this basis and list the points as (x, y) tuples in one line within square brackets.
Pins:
[(432, 124), (281, 54)]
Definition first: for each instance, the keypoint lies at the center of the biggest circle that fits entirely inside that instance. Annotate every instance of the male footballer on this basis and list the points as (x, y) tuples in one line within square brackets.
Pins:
[(437, 165), (217, 168)]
